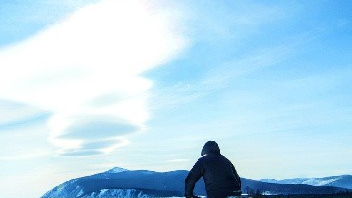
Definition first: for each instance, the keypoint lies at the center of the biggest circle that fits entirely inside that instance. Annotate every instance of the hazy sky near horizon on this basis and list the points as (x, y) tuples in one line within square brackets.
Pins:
[(89, 85)]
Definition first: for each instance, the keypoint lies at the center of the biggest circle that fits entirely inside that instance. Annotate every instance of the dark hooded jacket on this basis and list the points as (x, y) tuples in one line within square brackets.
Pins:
[(219, 174)]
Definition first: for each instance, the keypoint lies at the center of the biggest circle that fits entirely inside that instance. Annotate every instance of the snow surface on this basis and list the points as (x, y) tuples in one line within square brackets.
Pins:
[(308, 181), (117, 193), (320, 182), (80, 193), (116, 170)]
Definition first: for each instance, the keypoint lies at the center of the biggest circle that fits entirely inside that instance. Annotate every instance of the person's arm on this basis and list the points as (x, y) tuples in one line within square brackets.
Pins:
[(236, 175), (193, 176)]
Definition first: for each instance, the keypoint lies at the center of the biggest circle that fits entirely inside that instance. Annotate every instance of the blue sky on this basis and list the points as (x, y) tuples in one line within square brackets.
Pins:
[(89, 85)]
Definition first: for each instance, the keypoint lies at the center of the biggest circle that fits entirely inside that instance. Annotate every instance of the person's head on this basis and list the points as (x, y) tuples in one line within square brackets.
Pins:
[(210, 147)]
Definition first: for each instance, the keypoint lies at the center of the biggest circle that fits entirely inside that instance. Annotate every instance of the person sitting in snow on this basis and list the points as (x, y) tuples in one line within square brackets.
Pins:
[(219, 174)]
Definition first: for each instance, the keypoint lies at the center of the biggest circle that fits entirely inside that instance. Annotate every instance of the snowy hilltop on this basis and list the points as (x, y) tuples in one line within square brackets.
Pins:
[(343, 181)]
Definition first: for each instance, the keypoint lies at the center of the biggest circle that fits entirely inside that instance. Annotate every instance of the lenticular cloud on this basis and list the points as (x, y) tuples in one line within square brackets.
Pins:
[(86, 70)]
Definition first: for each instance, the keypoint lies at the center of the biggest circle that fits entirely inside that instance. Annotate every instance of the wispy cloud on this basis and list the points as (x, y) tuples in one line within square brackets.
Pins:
[(250, 62), (87, 69), (220, 76), (15, 115)]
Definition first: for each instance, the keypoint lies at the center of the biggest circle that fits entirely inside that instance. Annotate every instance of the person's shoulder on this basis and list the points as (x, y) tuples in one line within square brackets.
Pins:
[(225, 158), (203, 158), (200, 162)]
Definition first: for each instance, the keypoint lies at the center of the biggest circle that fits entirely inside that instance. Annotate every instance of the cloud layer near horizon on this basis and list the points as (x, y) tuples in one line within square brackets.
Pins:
[(86, 70)]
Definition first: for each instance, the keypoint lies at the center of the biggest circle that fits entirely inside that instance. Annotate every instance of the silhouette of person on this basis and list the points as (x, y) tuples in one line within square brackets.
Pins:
[(219, 174)]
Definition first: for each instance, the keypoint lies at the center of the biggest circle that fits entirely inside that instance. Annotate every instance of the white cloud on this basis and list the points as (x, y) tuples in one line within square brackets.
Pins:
[(15, 114), (90, 65)]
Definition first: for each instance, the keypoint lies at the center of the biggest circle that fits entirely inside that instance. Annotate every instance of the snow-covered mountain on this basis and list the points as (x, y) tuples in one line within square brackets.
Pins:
[(74, 189), (343, 181), (119, 182)]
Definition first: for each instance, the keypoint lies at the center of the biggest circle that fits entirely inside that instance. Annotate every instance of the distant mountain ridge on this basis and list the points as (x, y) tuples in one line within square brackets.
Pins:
[(119, 182), (342, 181)]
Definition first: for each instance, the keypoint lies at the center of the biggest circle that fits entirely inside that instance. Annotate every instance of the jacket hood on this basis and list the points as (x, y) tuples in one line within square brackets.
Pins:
[(210, 147)]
